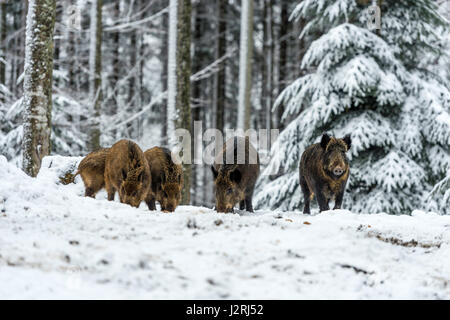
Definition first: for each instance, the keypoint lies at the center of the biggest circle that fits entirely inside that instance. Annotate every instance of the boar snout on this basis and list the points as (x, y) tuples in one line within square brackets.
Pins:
[(338, 171)]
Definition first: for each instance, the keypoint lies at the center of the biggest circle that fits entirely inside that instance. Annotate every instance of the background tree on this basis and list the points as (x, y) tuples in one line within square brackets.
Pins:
[(95, 67), (38, 84), (183, 97), (245, 65), (373, 86)]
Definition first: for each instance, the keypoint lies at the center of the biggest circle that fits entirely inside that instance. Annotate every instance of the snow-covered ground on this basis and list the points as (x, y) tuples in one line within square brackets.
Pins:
[(54, 243)]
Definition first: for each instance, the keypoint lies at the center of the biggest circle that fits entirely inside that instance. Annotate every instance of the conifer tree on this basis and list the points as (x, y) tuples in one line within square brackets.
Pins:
[(371, 85)]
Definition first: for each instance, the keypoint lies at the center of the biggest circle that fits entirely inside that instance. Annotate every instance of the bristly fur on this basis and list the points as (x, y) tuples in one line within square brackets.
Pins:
[(167, 179), (127, 171), (324, 171), (92, 171), (235, 182)]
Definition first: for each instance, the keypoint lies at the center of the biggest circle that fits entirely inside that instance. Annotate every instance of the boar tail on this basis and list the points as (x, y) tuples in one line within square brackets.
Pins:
[(68, 178)]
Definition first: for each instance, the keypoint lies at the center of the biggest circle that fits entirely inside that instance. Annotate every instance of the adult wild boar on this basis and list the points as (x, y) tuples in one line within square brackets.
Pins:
[(324, 171), (127, 171), (167, 179), (92, 171), (235, 171)]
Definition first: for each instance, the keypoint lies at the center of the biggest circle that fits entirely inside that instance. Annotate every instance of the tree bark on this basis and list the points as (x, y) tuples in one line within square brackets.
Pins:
[(38, 84), (96, 73), (115, 63), (172, 71), (282, 68), (164, 58), (221, 51), (2, 44), (183, 84), (267, 65), (245, 65)]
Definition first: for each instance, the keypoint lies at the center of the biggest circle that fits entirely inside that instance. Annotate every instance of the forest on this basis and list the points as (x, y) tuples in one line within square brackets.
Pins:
[(105, 70), (336, 102)]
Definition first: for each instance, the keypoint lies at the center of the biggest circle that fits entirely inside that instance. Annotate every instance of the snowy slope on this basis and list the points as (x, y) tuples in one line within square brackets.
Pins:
[(54, 243)]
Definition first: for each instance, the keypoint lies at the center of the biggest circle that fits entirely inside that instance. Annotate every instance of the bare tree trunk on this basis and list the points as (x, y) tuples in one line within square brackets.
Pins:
[(38, 84), (96, 70), (198, 16), (282, 69), (164, 58), (221, 51), (115, 63), (2, 44), (267, 65), (183, 84), (245, 65), (172, 71), (57, 37)]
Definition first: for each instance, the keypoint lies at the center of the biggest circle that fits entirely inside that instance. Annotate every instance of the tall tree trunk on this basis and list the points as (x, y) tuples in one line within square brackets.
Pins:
[(20, 66), (57, 37), (267, 65), (221, 51), (133, 59), (198, 16), (282, 68), (96, 73), (183, 84), (71, 51), (38, 84), (2, 44), (245, 65), (164, 58), (113, 107), (172, 72)]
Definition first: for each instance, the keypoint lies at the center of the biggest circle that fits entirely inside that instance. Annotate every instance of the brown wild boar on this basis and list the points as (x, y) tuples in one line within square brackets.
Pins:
[(235, 179), (167, 179), (324, 171), (92, 171), (127, 171)]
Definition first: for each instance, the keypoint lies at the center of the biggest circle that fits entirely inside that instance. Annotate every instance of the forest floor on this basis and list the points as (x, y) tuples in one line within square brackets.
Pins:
[(56, 244)]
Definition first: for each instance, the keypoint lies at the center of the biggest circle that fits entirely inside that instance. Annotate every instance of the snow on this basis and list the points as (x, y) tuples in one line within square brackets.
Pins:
[(55, 243)]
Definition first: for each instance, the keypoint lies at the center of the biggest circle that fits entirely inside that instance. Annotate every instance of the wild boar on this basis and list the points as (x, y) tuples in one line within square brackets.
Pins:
[(324, 171), (92, 171), (235, 179), (167, 179), (127, 171)]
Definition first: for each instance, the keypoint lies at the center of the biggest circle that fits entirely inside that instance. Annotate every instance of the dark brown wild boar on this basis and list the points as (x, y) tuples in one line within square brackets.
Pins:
[(235, 179), (167, 179), (92, 171), (127, 171), (324, 171)]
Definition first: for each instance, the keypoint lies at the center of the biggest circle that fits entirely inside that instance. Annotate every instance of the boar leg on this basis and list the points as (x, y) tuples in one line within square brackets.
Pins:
[(111, 192), (150, 201), (242, 205), (338, 201), (89, 192), (306, 195), (248, 199), (248, 204), (322, 201)]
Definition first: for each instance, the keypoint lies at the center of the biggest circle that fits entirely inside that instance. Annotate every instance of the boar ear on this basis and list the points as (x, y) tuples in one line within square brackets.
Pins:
[(214, 172), (235, 176), (325, 139), (124, 174), (348, 141)]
